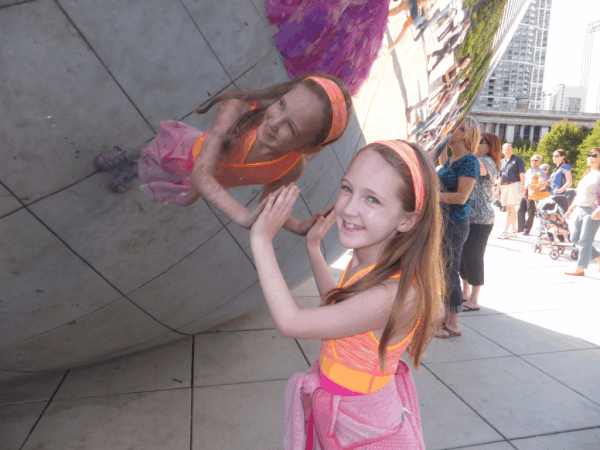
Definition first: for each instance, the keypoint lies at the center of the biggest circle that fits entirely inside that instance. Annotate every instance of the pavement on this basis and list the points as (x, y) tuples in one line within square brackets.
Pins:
[(523, 375)]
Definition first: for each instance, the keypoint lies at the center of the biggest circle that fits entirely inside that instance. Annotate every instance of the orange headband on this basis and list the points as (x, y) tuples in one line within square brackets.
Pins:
[(410, 158), (338, 105)]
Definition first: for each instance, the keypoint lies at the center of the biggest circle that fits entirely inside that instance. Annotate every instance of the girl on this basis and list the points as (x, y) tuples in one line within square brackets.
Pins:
[(458, 176), (387, 301), (561, 178), (257, 138)]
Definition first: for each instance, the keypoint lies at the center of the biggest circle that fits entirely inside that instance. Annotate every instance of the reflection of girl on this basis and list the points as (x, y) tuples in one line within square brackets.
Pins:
[(586, 206), (253, 141), (458, 176), (338, 37), (481, 220), (561, 178), (385, 303)]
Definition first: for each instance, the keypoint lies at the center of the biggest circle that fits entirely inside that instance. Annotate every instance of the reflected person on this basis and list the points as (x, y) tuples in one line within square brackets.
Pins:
[(258, 138)]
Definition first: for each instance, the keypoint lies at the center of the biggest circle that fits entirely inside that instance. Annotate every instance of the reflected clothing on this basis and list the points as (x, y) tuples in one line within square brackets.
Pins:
[(167, 162), (467, 166), (558, 178), (481, 211), (526, 207), (584, 231), (348, 384), (511, 169), (337, 37), (471, 263)]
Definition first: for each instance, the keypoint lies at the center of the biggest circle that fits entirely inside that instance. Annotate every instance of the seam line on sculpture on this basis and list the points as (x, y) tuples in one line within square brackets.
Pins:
[(242, 382), (192, 396), (93, 50), (101, 276), (552, 433), (45, 408), (467, 404), (17, 4), (479, 444), (207, 43), (207, 101), (149, 391)]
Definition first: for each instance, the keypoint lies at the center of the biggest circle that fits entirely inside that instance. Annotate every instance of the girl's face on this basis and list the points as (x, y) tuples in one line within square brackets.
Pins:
[(557, 158), (459, 134), (484, 147), (368, 210), (292, 121), (593, 161)]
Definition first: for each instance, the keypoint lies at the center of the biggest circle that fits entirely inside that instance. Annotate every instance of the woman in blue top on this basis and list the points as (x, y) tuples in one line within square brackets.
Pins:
[(561, 178), (457, 177)]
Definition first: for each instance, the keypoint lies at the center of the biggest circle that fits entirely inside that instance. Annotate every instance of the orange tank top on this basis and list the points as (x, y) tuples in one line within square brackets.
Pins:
[(353, 362), (234, 171)]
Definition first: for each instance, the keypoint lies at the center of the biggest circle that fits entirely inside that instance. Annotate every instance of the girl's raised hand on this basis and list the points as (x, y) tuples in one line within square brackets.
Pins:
[(248, 220), (318, 230), (307, 224), (276, 212)]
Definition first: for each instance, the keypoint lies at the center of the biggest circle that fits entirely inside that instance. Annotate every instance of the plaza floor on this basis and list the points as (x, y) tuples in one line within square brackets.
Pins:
[(523, 375)]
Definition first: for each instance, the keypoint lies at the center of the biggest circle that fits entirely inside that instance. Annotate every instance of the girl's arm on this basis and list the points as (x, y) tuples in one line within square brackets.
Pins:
[(202, 178), (482, 169), (460, 197), (365, 311), (444, 156), (323, 277)]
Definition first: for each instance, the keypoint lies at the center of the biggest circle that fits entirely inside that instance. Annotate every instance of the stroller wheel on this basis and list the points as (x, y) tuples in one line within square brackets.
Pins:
[(575, 254), (554, 254)]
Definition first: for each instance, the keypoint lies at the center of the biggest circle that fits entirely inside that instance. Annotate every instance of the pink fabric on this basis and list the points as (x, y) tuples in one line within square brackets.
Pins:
[(386, 419), (334, 388), (166, 163)]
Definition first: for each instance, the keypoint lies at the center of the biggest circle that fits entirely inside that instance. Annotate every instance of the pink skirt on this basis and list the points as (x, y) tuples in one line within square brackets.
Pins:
[(166, 163)]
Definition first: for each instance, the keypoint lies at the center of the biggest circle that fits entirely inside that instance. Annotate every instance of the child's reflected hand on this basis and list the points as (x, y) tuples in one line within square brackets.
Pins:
[(307, 224), (248, 220), (275, 213), (318, 230)]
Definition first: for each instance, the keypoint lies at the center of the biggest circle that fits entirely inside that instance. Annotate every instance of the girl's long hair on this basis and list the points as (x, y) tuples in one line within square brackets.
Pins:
[(268, 96), (494, 147), (415, 254), (472, 134)]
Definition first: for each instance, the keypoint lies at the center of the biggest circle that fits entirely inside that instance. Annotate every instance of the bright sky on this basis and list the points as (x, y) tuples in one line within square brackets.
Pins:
[(568, 21)]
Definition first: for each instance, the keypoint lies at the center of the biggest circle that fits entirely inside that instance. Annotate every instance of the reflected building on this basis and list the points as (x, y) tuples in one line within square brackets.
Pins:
[(520, 70), (564, 98)]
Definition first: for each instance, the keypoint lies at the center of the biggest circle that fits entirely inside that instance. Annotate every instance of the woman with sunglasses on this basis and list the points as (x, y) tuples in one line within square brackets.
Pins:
[(561, 178), (586, 206), (481, 220)]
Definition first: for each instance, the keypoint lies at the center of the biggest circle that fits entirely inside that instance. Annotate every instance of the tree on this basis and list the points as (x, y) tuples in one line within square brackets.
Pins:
[(525, 149), (563, 135), (591, 141)]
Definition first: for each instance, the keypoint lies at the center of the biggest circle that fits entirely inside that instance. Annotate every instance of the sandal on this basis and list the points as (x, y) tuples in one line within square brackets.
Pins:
[(122, 180), (579, 272), (109, 160), (450, 332)]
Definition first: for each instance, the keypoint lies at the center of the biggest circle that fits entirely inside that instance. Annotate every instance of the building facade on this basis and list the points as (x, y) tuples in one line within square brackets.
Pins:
[(520, 70), (564, 98), (528, 125)]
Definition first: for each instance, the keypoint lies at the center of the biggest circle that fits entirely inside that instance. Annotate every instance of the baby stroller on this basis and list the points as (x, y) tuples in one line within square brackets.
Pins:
[(551, 211)]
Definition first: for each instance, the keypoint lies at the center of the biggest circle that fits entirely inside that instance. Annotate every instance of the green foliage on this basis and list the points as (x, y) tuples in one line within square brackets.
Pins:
[(525, 149), (591, 141), (485, 21), (568, 137)]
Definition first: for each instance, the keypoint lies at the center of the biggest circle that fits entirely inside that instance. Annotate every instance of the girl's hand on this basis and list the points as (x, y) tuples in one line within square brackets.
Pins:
[(568, 213), (307, 224), (318, 230), (248, 220), (275, 213)]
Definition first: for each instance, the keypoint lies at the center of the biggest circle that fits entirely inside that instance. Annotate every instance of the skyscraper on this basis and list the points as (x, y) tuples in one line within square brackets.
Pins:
[(520, 72)]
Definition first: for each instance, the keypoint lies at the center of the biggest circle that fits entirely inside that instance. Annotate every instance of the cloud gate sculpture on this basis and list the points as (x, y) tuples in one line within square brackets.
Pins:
[(86, 274)]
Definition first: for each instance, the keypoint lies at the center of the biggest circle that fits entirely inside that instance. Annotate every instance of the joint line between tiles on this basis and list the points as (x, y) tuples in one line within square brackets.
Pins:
[(17, 4), (45, 408), (554, 433), (303, 354), (464, 401), (72, 22)]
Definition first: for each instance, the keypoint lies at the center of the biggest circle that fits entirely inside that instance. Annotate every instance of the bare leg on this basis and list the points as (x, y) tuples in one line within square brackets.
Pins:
[(451, 323), (473, 301), (511, 218), (466, 290)]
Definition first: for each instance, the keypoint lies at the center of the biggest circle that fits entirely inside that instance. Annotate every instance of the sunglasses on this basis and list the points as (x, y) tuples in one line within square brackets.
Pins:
[(592, 155), (535, 160), (484, 142), (556, 156)]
